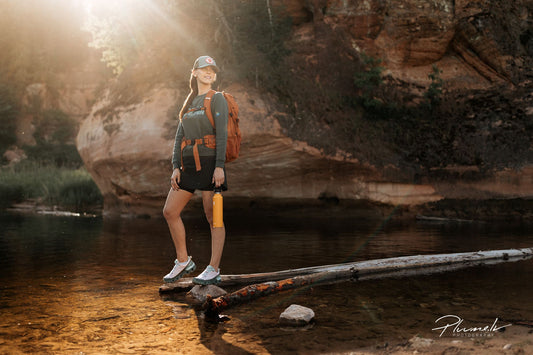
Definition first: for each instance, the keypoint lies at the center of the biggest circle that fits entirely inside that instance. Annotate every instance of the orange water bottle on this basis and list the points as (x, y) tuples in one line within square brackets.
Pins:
[(218, 220)]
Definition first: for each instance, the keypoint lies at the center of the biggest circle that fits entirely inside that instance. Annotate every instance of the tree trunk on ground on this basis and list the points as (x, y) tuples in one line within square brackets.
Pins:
[(364, 269), (373, 269)]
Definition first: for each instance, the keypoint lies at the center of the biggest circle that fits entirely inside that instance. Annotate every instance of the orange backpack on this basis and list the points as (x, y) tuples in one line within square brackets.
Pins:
[(234, 133), (233, 145)]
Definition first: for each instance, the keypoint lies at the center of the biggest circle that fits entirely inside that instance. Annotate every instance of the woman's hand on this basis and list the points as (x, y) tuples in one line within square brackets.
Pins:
[(218, 177), (175, 179)]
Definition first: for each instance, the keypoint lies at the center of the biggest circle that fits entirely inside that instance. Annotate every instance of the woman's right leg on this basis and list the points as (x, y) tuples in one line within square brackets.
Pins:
[(176, 202)]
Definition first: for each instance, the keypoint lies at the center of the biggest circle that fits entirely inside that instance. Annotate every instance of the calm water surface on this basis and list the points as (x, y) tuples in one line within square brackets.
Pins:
[(88, 285)]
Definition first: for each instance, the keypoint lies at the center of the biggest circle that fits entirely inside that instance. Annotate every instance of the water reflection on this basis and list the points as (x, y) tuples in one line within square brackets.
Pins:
[(84, 284)]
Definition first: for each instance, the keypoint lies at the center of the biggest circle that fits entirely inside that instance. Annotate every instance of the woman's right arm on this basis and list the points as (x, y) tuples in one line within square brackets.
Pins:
[(176, 154), (176, 158)]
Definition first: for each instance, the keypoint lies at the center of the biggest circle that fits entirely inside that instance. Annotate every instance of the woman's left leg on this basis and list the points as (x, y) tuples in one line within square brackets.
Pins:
[(218, 235)]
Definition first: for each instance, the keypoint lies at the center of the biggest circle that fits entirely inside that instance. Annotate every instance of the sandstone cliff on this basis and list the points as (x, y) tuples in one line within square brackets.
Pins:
[(127, 146)]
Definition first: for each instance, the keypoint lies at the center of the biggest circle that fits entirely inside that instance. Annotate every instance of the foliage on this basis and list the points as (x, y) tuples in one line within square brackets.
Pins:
[(115, 37), (379, 100), (434, 93), (148, 34), (259, 32), (39, 38), (54, 127), (59, 155), (8, 113), (49, 184), (54, 134), (249, 34), (368, 80), (10, 194), (79, 194)]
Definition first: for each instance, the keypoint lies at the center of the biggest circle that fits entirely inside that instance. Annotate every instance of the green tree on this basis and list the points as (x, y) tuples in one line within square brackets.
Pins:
[(434, 93), (368, 81), (259, 32), (54, 134), (8, 114), (39, 38)]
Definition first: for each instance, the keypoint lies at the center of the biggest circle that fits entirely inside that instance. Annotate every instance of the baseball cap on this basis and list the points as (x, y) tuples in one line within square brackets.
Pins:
[(205, 61)]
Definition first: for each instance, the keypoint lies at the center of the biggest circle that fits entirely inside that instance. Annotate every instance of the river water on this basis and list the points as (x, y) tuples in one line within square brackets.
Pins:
[(90, 285)]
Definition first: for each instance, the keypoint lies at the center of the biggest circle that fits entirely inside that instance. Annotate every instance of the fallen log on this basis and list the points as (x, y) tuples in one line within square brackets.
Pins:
[(379, 266), (365, 270), (213, 306)]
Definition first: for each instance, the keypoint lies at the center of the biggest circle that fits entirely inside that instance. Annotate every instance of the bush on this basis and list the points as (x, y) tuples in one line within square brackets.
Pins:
[(368, 80), (8, 113), (54, 133), (79, 195), (54, 127), (10, 194), (51, 185), (259, 33), (60, 155), (434, 93)]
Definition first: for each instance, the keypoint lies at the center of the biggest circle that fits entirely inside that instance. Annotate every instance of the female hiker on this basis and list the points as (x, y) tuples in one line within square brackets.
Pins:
[(198, 164)]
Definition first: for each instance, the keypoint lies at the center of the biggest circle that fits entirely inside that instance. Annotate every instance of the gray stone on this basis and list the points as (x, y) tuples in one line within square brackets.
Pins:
[(419, 342), (198, 293), (296, 315)]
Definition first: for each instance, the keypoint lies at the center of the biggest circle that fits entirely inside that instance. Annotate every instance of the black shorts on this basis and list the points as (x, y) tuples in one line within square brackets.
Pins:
[(202, 180)]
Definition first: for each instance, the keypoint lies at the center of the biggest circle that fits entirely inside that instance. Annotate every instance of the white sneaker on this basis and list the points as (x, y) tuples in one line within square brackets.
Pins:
[(209, 276), (179, 270)]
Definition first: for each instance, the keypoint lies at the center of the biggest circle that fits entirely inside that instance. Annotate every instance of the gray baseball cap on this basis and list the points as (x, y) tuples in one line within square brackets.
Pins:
[(205, 61)]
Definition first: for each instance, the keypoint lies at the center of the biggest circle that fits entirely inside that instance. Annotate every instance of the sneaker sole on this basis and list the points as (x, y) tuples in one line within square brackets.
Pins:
[(188, 269), (213, 281)]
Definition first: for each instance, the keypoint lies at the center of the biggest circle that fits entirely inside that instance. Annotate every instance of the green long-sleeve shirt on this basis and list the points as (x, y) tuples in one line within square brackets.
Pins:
[(196, 125)]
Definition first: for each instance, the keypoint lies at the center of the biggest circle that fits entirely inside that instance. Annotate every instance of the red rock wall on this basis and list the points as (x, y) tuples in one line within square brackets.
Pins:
[(128, 151)]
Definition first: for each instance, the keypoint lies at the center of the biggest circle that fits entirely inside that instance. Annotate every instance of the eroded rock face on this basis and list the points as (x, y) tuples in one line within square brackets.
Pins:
[(127, 149), (463, 38), (128, 152)]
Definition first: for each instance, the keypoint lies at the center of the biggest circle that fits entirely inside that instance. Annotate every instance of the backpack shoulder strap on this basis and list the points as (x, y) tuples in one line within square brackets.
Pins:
[(207, 106)]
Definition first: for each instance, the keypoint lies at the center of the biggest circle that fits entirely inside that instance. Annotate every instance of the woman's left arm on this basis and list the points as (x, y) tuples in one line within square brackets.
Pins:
[(220, 114)]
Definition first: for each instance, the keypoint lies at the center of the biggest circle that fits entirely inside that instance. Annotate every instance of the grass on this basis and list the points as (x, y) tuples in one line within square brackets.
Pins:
[(71, 189)]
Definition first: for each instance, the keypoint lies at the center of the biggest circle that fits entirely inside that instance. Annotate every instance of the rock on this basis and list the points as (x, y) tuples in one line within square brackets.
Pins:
[(419, 343), (198, 294), (127, 148), (14, 155), (507, 346), (296, 315)]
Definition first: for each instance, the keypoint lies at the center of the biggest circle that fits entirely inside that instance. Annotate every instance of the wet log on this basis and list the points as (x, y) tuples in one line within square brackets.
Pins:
[(213, 306), (377, 268), (365, 270)]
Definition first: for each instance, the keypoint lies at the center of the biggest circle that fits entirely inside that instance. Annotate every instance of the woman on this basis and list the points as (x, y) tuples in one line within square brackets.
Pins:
[(198, 165)]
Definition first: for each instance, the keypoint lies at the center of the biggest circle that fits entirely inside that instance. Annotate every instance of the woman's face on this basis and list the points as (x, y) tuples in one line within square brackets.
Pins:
[(206, 75)]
